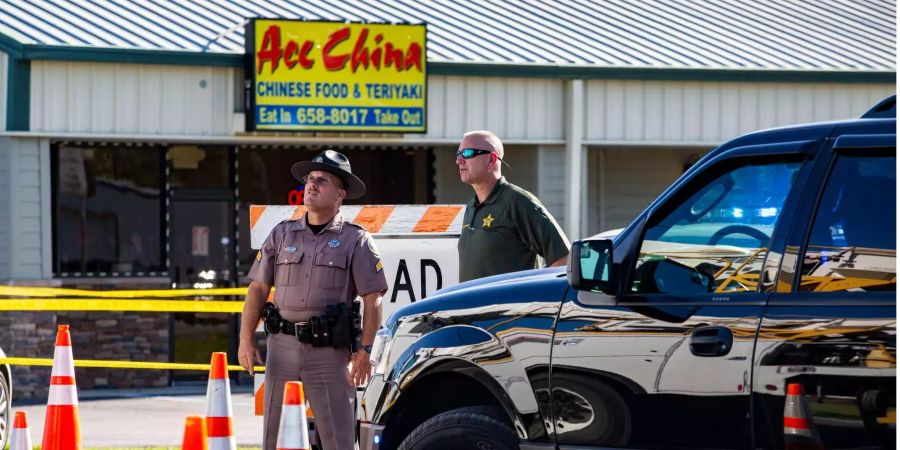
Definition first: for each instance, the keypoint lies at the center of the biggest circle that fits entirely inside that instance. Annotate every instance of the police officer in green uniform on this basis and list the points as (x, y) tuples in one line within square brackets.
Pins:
[(505, 228), (318, 263)]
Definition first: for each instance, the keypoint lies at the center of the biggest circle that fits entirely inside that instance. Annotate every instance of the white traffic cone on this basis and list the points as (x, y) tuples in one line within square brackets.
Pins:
[(292, 432), (20, 439), (219, 426), (62, 428), (799, 431)]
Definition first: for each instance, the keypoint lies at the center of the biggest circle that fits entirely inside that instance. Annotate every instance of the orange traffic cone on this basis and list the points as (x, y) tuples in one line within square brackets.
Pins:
[(62, 430), (20, 439), (292, 434), (219, 427), (799, 431), (194, 434)]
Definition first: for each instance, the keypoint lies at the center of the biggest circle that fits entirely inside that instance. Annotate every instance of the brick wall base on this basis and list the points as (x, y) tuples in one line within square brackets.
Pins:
[(119, 336)]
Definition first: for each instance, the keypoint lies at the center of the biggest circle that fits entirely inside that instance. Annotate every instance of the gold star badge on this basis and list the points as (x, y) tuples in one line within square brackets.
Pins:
[(486, 222)]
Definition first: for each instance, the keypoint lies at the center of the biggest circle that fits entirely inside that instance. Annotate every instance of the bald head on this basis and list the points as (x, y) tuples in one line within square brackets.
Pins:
[(484, 140)]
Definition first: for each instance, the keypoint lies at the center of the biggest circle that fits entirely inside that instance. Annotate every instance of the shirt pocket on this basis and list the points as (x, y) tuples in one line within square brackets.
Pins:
[(330, 269), (288, 268)]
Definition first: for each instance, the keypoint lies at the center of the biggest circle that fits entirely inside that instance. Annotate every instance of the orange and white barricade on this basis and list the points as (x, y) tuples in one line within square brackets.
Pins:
[(62, 429), (219, 426)]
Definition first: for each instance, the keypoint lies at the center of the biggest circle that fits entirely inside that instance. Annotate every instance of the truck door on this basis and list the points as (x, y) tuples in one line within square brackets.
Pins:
[(828, 336), (668, 362)]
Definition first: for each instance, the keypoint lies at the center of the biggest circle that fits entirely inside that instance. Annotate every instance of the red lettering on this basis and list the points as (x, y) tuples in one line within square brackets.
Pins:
[(335, 62), (376, 58), (270, 50), (290, 52), (304, 55), (295, 197), (360, 52), (393, 56), (414, 56)]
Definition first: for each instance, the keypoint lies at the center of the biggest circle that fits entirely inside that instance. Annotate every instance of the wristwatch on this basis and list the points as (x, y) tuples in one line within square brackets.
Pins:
[(367, 348)]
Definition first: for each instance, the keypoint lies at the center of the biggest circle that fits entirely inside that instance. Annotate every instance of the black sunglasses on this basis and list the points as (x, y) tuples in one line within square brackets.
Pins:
[(469, 153)]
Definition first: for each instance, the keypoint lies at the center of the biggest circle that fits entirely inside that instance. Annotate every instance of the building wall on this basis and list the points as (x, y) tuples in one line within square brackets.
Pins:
[(711, 112), (104, 98), (4, 73), (623, 181), (551, 189), (95, 335), (513, 108), (523, 171), (24, 209)]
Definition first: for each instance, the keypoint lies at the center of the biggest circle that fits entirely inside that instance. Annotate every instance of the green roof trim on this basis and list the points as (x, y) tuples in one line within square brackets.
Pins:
[(664, 73), (18, 81), (141, 56)]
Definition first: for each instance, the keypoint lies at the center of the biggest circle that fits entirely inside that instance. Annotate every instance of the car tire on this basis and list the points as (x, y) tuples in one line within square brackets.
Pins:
[(473, 427), (5, 410)]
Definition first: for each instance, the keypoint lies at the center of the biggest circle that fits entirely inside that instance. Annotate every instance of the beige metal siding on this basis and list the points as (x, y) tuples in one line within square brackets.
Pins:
[(449, 189), (75, 97), (22, 224), (711, 112), (513, 108), (623, 181), (5, 206), (551, 168)]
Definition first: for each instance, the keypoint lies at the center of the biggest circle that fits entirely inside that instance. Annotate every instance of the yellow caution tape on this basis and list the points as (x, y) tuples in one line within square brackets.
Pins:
[(119, 364), (120, 304), (24, 291)]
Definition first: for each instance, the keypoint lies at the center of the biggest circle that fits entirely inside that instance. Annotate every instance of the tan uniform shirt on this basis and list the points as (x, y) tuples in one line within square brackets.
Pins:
[(310, 271)]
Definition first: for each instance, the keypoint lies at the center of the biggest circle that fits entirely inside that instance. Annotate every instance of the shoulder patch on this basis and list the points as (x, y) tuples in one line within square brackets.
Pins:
[(372, 247)]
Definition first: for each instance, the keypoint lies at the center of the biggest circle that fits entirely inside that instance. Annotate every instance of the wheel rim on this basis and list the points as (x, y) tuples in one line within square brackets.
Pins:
[(4, 411)]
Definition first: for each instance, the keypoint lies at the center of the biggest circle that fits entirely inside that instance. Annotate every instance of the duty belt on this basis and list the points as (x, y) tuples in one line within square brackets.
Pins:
[(303, 331)]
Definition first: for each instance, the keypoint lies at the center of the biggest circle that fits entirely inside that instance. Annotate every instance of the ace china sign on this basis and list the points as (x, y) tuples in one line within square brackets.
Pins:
[(335, 76)]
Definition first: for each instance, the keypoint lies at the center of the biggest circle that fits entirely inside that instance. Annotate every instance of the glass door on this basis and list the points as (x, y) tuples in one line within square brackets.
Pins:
[(202, 249)]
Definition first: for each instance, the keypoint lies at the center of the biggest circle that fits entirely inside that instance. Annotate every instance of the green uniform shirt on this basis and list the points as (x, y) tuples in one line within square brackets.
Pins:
[(510, 231)]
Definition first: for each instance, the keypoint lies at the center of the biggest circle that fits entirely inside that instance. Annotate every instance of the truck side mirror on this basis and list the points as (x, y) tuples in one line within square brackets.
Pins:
[(590, 266)]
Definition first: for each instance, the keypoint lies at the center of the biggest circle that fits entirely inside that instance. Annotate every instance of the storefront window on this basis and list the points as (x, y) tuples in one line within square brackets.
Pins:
[(393, 176), (108, 210)]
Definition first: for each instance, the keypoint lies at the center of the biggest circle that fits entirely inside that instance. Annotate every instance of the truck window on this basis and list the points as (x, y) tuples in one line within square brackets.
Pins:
[(716, 240), (853, 242)]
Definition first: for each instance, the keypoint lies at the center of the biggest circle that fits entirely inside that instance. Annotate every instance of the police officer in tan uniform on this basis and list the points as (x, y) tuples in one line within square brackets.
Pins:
[(315, 261)]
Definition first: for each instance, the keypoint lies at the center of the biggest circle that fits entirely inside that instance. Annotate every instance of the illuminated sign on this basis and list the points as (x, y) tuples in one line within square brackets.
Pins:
[(335, 76)]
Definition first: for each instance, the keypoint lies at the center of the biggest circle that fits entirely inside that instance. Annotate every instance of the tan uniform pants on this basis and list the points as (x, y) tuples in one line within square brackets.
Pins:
[(324, 373)]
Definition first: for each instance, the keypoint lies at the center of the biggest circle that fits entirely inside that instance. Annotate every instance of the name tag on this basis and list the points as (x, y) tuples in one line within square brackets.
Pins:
[(290, 249)]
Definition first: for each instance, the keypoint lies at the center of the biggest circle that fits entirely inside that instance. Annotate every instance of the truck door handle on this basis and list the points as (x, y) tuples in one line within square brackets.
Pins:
[(711, 341)]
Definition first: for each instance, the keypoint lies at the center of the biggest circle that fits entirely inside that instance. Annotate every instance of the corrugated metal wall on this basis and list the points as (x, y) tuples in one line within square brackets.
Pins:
[(551, 190), (24, 197), (693, 112), (623, 181), (523, 171), (75, 97), (513, 108)]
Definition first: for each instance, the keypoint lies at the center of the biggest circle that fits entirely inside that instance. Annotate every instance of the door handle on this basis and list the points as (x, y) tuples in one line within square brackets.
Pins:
[(711, 341)]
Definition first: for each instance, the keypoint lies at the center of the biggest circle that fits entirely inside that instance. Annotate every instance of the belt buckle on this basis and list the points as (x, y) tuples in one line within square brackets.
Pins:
[(299, 328)]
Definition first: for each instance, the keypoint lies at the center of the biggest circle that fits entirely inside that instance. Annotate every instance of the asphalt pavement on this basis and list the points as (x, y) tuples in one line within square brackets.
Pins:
[(147, 417)]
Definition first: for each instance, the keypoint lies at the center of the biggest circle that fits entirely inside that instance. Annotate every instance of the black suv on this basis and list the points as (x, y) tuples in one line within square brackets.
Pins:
[(752, 305)]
